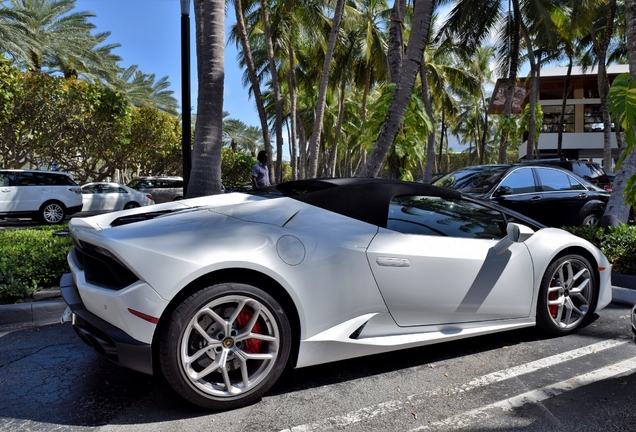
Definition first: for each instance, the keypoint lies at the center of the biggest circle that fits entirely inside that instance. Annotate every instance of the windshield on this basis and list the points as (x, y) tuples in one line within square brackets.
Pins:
[(473, 180)]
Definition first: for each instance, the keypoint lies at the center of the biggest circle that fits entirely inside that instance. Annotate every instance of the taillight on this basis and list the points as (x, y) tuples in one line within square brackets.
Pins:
[(77, 191), (608, 188), (149, 197)]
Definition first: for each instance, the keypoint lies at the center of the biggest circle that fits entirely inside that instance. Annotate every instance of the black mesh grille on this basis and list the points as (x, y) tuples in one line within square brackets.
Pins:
[(102, 269)]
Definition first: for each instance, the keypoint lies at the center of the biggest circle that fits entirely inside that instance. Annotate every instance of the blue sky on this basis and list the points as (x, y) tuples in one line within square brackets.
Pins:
[(149, 32)]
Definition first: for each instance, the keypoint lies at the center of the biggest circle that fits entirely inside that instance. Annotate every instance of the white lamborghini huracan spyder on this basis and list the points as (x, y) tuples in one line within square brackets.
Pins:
[(220, 293)]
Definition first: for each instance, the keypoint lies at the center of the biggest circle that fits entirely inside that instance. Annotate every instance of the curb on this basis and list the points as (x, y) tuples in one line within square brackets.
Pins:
[(34, 313)]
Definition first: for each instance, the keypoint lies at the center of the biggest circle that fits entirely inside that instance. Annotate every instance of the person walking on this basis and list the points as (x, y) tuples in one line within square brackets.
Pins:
[(260, 172)]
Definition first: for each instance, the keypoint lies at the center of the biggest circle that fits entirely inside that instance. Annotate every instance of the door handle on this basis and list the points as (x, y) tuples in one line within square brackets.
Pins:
[(393, 262), (535, 199)]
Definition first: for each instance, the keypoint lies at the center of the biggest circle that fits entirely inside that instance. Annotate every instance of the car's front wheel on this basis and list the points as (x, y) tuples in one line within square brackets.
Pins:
[(52, 213), (567, 296), (225, 345)]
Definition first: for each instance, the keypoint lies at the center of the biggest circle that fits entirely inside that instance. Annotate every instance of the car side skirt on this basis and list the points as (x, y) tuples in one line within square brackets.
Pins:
[(374, 334)]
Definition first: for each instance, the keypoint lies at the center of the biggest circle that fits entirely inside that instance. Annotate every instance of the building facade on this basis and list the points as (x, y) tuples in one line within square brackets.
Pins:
[(582, 123)]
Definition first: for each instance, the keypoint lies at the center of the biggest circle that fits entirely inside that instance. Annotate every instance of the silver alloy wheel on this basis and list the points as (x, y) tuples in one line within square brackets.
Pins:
[(591, 220), (53, 213), (569, 294), (230, 346)]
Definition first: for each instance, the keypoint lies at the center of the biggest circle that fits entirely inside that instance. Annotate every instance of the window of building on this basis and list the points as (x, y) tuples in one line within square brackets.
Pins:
[(593, 119), (551, 116)]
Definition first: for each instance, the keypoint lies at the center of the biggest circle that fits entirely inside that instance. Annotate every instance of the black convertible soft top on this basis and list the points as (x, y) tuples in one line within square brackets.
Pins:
[(364, 199)]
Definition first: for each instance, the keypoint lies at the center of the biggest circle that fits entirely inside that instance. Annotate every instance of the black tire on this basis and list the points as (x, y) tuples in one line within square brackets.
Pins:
[(52, 213), (184, 353), (592, 219), (568, 295), (131, 205)]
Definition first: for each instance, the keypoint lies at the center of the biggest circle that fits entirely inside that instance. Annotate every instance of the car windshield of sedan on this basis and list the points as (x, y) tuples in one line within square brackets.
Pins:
[(474, 180)]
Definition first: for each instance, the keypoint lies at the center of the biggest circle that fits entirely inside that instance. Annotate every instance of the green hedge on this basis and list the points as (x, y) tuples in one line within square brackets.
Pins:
[(617, 243), (31, 259)]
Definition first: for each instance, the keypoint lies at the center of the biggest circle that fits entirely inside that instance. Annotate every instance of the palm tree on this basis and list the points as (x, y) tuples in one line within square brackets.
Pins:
[(52, 30), (141, 90), (14, 35), (205, 178), (422, 15), (92, 62), (314, 142)]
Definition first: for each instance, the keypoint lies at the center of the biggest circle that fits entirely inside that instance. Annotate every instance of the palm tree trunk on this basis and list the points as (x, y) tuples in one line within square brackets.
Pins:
[(251, 69), (205, 178), (278, 102), (603, 85), (423, 10), (512, 77), (617, 211), (292, 114), (427, 174), (534, 91), (566, 93), (314, 143)]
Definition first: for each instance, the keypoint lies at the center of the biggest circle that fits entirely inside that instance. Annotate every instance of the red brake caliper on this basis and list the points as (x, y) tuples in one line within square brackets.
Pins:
[(554, 309), (251, 345)]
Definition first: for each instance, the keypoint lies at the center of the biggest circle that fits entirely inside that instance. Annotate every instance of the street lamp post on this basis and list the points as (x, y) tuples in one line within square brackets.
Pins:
[(186, 105)]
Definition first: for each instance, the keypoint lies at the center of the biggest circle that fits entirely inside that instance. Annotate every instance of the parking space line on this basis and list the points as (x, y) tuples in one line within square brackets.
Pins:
[(466, 418), (391, 406)]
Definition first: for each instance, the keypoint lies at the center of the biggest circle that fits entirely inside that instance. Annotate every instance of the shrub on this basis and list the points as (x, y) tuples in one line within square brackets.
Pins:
[(30, 260), (617, 243)]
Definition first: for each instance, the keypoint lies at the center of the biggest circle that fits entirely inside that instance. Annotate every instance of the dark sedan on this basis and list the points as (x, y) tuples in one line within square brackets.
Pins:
[(550, 195)]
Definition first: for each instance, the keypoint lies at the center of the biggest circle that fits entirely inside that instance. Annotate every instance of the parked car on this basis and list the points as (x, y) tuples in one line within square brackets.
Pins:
[(548, 194), (162, 189), (220, 293), (590, 171), (100, 197), (46, 196)]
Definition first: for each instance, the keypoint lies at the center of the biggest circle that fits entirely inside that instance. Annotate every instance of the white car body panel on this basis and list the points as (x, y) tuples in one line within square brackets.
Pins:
[(328, 265), (451, 280)]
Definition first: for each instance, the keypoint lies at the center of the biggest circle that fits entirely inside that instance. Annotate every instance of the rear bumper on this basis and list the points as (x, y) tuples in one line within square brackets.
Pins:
[(73, 210), (108, 340)]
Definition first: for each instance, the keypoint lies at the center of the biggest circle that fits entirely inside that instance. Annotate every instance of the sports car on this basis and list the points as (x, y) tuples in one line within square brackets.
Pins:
[(221, 293)]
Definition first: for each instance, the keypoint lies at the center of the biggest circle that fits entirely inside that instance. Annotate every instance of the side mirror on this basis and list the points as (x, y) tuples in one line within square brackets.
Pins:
[(503, 190), (517, 233)]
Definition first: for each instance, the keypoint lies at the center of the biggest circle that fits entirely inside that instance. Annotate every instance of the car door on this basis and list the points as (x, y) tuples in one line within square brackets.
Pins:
[(8, 191), (113, 197), (435, 264), (518, 191), (31, 193), (562, 197), (91, 198)]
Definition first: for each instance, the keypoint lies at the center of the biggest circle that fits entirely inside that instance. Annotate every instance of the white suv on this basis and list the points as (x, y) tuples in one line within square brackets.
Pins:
[(47, 196)]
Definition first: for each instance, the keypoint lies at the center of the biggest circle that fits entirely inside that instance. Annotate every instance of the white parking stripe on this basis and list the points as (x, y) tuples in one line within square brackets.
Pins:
[(466, 418), (540, 364), (391, 406)]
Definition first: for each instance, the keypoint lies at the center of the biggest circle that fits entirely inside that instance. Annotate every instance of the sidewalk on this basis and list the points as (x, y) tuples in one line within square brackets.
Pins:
[(50, 311)]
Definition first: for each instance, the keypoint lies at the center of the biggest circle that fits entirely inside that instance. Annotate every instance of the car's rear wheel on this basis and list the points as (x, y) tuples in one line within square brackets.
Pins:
[(591, 219), (567, 296), (52, 213), (225, 345), (131, 205)]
